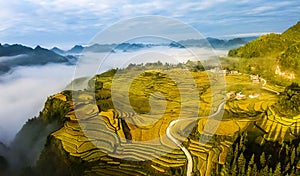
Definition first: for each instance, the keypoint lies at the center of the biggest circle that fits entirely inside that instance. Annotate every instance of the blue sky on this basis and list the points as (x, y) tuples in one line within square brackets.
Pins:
[(65, 23)]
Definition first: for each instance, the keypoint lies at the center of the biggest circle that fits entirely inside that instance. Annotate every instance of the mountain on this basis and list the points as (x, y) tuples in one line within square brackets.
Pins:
[(130, 47), (270, 44), (76, 49), (57, 50), (13, 50), (212, 42), (275, 56), (235, 42), (99, 48), (18, 55)]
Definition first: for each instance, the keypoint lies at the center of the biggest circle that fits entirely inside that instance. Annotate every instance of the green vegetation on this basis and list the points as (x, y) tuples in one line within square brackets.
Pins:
[(266, 45), (270, 54), (289, 102), (290, 59), (270, 158)]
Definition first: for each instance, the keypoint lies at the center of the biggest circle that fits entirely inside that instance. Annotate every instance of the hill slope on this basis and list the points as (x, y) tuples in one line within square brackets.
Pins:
[(277, 53)]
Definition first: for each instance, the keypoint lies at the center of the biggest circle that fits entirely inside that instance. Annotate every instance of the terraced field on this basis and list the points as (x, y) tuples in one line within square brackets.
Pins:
[(97, 138), (126, 141), (128, 136), (279, 128)]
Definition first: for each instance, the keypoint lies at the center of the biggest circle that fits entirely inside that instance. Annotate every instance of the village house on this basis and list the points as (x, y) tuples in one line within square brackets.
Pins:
[(255, 79)]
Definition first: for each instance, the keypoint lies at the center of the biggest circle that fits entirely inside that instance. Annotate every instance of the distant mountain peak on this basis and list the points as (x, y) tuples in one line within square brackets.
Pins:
[(76, 49), (212, 42), (26, 56), (38, 47), (57, 50)]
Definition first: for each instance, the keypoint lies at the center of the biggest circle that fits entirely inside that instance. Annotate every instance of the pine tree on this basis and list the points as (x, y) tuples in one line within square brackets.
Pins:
[(287, 167), (241, 143), (251, 162), (234, 171), (271, 172), (236, 151), (287, 149), (241, 164), (249, 170), (277, 171), (262, 160), (254, 170), (293, 155), (264, 171)]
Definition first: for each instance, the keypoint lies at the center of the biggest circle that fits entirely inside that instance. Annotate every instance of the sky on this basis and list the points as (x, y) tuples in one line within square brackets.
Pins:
[(64, 23)]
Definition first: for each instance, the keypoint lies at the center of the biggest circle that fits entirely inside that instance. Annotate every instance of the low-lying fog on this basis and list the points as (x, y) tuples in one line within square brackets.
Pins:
[(23, 94), (24, 91)]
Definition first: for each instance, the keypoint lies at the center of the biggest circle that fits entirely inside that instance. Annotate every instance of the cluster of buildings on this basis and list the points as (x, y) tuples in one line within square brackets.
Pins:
[(224, 72), (234, 95), (255, 79), (239, 96)]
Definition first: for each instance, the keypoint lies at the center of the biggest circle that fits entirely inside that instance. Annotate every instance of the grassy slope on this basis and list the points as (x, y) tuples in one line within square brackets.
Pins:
[(262, 55)]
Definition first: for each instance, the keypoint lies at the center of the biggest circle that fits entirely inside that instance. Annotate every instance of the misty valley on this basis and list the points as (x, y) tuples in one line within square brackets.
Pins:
[(236, 111)]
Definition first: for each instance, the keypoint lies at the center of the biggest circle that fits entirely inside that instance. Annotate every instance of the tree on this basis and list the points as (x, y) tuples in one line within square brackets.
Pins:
[(289, 101), (262, 159), (265, 171), (250, 166), (254, 170), (270, 172), (234, 171), (293, 155), (277, 171), (249, 170), (236, 151), (287, 167), (251, 162), (241, 164)]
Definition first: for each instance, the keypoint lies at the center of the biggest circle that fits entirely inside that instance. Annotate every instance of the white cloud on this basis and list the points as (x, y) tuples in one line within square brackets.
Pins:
[(199, 5), (87, 17), (24, 92)]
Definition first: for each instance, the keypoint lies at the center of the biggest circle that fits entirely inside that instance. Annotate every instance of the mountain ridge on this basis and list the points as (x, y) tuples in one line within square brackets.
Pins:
[(18, 55), (126, 46)]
